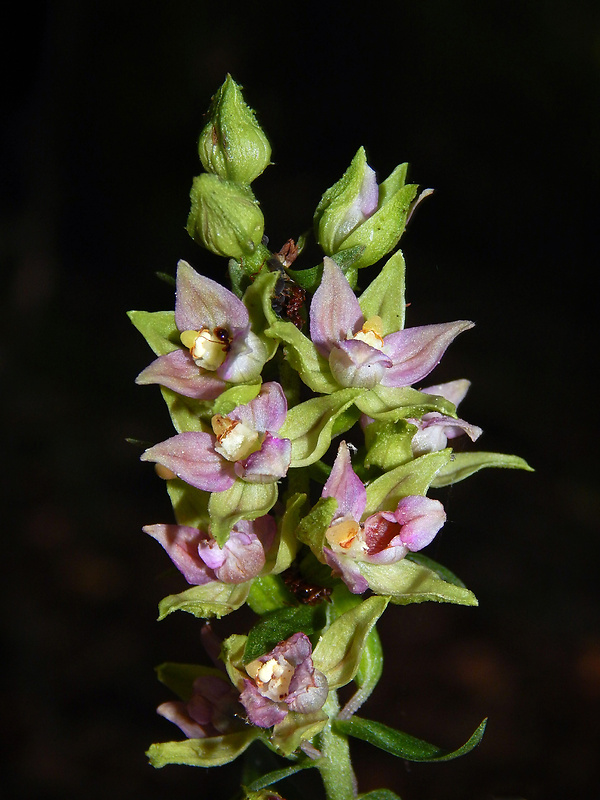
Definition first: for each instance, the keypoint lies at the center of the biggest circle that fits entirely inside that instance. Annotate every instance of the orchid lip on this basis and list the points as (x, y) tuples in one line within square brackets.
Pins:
[(207, 348)]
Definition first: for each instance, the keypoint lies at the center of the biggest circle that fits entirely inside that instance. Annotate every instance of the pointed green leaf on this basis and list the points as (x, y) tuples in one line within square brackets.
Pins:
[(269, 593), (242, 501), (415, 477), (211, 600), (186, 413), (462, 465), (304, 357), (339, 650), (211, 752), (309, 425), (384, 297), (235, 396), (313, 527), (158, 329), (189, 504), (278, 775), (388, 444), (257, 299), (391, 404), (279, 558), (367, 677), (408, 582), (400, 744), (440, 570), (393, 183)]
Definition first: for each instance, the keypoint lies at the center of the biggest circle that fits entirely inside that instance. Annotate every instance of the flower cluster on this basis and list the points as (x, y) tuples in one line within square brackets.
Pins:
[(304, 452)]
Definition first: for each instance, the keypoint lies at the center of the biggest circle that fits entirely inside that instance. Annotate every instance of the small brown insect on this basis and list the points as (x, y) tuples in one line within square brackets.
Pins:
[(288, 297), (223, 335), (307, 593)]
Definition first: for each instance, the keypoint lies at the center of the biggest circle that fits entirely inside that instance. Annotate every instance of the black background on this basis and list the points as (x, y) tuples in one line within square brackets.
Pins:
[(495, 105)]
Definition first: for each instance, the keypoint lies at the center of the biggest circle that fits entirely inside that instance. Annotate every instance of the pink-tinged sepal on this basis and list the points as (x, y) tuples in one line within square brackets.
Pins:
[(347, 569), (266, 412), (345, 486), (212, 710), (416, 351), (335, 313), (191, 455), (177, 371), (202, 302)]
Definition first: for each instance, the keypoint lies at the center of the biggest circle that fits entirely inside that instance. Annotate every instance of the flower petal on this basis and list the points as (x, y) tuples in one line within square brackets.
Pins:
[(203, 303), (334, 311), (192, 457), (454, 391), (268, 464), (266, 412), (261, 711), (348, 570), (176, 711), (356, 364), (243, 557), (345, 486), (177, 371), (421, 518), (416, 351), (245, 359), (181, 544)]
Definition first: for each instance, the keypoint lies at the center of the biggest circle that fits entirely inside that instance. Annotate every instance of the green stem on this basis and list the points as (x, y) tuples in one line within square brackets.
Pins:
[(335, 766)]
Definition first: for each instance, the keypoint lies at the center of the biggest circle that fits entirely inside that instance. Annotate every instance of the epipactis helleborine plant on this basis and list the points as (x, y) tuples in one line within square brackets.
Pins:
[(301, 465)]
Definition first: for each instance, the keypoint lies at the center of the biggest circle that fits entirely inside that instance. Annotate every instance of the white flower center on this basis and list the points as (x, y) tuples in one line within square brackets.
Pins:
[(370, 333), (272, 677), (235, 440), (208, 348), (345, 536)]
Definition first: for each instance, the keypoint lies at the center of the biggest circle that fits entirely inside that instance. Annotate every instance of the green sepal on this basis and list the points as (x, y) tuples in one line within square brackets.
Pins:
[(401, 744), (462, 465), (186, 413), (303, 356), (415, 477), (235, 396), (179, 678), (370, 668), (268, 593), (279, 625), (408, 582), (309, 425), (158, 329), (339, 650), (257, 299), (232, 655), (190, 505), (296, 728), (384, 297), (241, 501), (390, 404), (211, 752), (279, 559), (312, 528), (214, 599), (382, 231), (388, 444)]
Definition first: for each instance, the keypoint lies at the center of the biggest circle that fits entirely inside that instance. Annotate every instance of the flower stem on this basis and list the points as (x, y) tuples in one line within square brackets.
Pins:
[(335, 766)]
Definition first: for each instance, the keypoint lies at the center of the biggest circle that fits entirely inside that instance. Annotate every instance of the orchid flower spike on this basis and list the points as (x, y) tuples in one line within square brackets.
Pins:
[(218, 347), (359, 355), (381, 538)]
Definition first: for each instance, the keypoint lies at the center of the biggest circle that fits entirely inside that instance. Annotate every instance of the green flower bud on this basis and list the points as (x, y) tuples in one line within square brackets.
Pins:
[(232, 144), (224, 217), (356, 212)]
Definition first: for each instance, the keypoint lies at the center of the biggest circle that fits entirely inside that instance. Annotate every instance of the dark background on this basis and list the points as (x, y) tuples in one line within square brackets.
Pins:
[(495, 105)]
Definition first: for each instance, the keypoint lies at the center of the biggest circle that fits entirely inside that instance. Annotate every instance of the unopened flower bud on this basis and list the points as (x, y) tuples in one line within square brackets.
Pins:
[(356, 212), (232, 144), (224, 217)]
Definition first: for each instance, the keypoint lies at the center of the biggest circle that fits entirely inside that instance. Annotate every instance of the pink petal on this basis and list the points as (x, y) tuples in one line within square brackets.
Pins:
[(266, 412), (348, 570), (454, 391), (203, 303), (181, 544), (192, 457), (416, 351), (421, 518), (345, 486), (177, 371), (334, 311), (267, 465), (355, 364)]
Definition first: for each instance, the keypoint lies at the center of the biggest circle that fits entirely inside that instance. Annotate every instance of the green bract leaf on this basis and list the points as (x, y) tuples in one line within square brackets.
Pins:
[(211, 600), (186, 413), (384, 297), (278, 625), (407, 582), (370, 668), (312, 528), (296, 728), (211, 752), (400, 744), (391, 404), (388, 444), (242, 501), (304, 357), (278, 775), (269, 593), (235, 396), (309, 425), (189, 504), (379, 794), (393, 183), (180, 677), (158, 329), (280, 558), (415, 477), (462, 465), (257, 300), (339, 650), (440, 570)]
